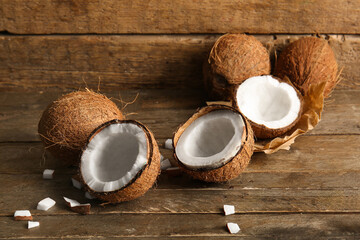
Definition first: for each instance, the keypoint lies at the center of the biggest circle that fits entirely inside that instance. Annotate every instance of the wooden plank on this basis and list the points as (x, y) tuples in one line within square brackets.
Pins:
[(274, 226), (25, 191), (132, 61), (183, 16), (161, 110)]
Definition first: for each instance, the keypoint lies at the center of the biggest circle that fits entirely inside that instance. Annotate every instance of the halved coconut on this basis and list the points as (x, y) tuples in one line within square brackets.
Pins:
[(215, 144), (120, 162), (272, 106)]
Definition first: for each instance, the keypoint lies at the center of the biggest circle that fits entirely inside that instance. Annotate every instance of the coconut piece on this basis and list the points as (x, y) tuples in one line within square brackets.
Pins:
[(229, 209), (76, 182), (169, 144), (165, 164), (33, 224), (48, 174), (67, 122), (21, 215), (308, 61), (215, 144), (272, 106), (233, 228), (89, 196), (233, 59), (77, 207), (120, 162), (45, 204)]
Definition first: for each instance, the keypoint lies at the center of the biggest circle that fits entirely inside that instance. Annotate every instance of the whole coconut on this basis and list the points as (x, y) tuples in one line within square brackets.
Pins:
[(307, 61), (233, 59), (66, 123)]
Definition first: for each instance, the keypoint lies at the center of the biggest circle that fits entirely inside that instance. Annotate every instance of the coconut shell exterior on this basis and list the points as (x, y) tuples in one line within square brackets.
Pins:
[(66, 123), (261, 131), (141, 183), (307, 61), (233, 59), (232, 168)]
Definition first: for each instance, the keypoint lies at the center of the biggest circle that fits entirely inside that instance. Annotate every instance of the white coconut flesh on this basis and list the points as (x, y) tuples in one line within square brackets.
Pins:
[(114, 156), (266, 101), (211, 140)]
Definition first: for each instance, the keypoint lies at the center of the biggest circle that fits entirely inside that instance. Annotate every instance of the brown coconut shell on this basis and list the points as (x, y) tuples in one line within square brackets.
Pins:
[(66, 123), (307, 61), (142, 182), (232, 168), (263, 132), (233, 59)]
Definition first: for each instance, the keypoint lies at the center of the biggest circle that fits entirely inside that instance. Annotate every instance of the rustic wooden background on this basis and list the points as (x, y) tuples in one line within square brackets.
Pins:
[(155, 48)]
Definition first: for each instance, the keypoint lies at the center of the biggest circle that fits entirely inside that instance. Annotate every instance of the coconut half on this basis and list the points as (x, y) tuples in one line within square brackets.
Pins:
[(120, 162), (272, 106), (215, 144)]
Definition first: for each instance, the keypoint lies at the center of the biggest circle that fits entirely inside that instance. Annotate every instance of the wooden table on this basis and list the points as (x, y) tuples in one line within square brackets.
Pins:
[(155, 49)]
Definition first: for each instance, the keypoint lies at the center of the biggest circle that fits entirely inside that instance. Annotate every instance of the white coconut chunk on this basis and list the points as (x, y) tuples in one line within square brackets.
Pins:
[(45, 204), (114, 157), (76, 183), (22, 215), (48, 174), (229, 209), (32, 224), (165, 164), (89, 196), (211, 140), (169, 144), (161, 157), (233, 228), (74, 203), (266, 101)]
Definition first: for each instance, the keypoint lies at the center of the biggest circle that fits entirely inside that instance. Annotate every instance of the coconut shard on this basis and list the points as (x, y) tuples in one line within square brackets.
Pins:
[(233, 59), (120, 161), (215, 144), (307, 61), (66, 123), (271, 105)]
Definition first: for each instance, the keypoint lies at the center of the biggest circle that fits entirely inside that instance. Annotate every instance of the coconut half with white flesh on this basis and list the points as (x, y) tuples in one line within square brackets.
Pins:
[(120, 162), (271, 105), (215, 144)]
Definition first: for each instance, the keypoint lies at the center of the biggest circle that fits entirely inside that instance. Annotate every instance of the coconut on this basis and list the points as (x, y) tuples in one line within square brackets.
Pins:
[(233, 59), (120, 161), (271, 105), (67, 122), (307, 61), (215, 144)]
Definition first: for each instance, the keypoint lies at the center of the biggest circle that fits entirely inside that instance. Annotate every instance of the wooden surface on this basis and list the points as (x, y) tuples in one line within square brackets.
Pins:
[(155, 48)]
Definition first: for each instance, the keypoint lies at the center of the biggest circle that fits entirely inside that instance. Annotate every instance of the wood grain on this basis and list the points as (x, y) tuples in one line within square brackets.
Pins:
[(182, 16), (132, 61)]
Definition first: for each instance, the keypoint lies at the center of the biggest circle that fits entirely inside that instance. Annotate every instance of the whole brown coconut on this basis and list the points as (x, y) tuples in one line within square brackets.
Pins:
[(233, 59), (66, 123), (309, 60)]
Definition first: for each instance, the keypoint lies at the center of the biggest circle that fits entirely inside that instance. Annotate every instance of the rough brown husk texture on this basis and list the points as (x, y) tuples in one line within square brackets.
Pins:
[(308, 61), (142, 182), (231, 169), (262, 132), (66, 123), (233, 59)]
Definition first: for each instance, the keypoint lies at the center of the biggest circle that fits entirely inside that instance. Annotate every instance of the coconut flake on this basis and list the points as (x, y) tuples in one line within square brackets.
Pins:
[(169, 144), (32, 224), (233, 228), (165, 164), (76, 183), (75, 206), (45, 204), (21, 215), (161, 157), (89, 196), (48, 174), (229, 209)]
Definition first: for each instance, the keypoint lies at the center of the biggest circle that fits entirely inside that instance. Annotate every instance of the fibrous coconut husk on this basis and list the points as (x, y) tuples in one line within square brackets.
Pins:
[(232, 168), (66, 123), (233, 59), (308, 61), (143, 181)]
